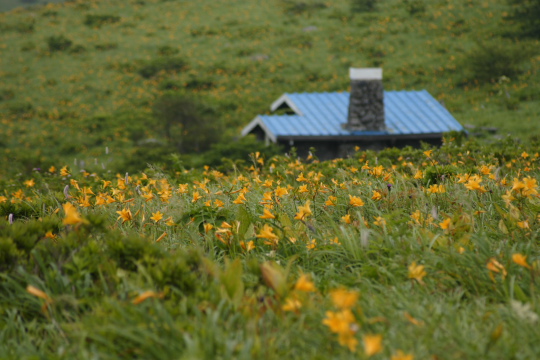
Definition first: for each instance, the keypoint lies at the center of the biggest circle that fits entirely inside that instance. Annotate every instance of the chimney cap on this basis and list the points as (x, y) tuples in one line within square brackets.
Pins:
[(365, 73)]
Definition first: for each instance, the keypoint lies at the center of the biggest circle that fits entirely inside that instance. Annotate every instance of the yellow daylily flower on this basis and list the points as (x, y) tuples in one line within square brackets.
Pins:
[(355, 201), (373, 344), (304, 284), (125, 215), (72, 215), (304, 211), (157, 216), (416, 272), (267, 214)]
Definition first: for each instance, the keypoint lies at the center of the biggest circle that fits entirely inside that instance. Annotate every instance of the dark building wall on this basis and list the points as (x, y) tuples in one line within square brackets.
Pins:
[(328, 150)]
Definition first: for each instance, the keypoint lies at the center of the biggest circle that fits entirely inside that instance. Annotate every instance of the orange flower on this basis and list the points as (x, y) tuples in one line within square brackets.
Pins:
[(346, 219), (304, 284), (434, 189), (344, 324), (293, 305), (373, 344), (250, 245), (267, 232), (355, 201), (521, 260), (208, 227), (267, 214), (241, 199), (331, 201), (64, 171), (474, 184), (312, 244), (343, 298), (400, 355), (280, 192), (304, 211), (196, 196), (416, 272), (446, 224), (125, 215), (157, 216), (72, 215), (495, 267), (376, 195)]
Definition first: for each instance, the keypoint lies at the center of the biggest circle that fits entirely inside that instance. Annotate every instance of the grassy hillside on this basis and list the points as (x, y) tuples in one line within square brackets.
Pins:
[(400, 254), (7, 5), (82, 76)]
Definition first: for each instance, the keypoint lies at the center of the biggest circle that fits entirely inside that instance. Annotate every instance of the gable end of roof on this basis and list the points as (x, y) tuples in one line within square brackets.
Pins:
[(258, 122), (285, 101)]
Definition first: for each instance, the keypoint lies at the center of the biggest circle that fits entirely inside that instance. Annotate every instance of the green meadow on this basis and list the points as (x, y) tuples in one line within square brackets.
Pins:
[(85, 75), (126, 233)]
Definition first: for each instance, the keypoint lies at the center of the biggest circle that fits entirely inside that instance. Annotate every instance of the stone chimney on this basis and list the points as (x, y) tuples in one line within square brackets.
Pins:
[(366, 103)]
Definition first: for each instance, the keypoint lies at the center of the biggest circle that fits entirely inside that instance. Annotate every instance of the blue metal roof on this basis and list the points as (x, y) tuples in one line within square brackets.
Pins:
[(322, 114)]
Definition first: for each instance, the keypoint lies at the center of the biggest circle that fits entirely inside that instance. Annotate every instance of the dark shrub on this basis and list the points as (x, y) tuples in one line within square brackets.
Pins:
[(526, 13), (149, 153), (187, 123), (240, 149), (167, 64), (358, 6), (132, 250), (20, 108), (491, 59), (106, 46), (180, 271), (300, 7), (6, 94), (96, 21), (58, 43), (9, 254), (415, 7), (169, 84), (436, 174), (167, 50), (23, 27), (77, 49)]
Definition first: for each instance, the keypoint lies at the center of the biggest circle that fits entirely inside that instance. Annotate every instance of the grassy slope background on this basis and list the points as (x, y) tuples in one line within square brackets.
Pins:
[(441, 246), (240, 56), (7, 5)]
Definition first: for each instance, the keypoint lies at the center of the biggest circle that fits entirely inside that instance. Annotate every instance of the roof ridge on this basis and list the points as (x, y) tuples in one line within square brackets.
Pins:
[(348, 92)]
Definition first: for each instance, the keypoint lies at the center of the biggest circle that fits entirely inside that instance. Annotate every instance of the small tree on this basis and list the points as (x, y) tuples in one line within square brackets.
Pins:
[(526, 13), (187, 123), (493, 58)]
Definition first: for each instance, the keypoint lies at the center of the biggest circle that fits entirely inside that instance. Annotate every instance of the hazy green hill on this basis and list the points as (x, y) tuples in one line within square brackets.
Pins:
[(64, 64), (6, 5)]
